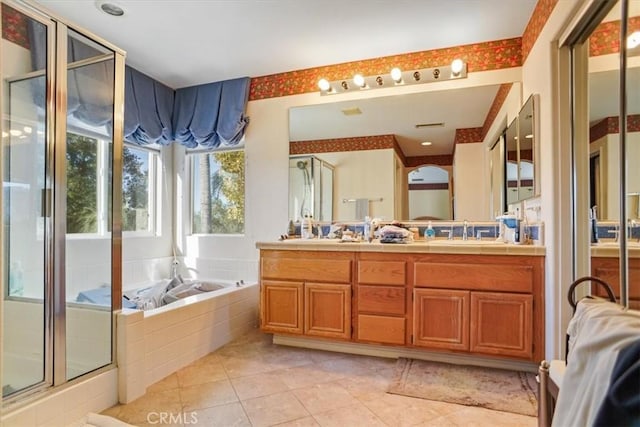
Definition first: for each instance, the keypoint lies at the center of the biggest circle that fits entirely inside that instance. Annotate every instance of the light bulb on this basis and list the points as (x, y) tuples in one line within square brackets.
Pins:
[(426, 143), (456, 67), (396, 74), (633, 40), (27, 129), (15, 132), (324, 85), (358, 80)]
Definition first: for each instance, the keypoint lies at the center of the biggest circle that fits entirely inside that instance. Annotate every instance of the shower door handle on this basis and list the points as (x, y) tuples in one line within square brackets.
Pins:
[(45, 199)]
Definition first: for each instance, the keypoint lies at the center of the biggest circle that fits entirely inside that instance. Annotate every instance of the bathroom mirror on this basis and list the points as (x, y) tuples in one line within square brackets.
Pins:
[(511, 162), (365, 140), (604, 142), (526, 153)]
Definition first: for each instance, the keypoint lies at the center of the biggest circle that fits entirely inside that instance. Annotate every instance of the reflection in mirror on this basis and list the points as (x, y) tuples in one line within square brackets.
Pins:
[(497, 177), (526, 156), (310, 188), (511, 158), (374, 142), (429, 194)]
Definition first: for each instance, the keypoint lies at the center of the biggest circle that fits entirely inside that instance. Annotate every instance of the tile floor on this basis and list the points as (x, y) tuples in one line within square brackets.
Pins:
[(251, 382)]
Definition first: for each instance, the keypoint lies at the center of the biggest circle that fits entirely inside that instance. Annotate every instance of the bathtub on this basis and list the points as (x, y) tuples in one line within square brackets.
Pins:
[(154, 343)]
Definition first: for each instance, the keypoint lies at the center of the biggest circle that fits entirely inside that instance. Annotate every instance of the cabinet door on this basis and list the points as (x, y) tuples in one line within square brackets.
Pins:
[(327, 310), (441, 319), (501, 324), (281, 306)]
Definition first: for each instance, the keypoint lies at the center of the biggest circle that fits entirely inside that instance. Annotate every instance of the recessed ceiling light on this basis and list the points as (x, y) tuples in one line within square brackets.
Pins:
[(426, 143), (110, 8)]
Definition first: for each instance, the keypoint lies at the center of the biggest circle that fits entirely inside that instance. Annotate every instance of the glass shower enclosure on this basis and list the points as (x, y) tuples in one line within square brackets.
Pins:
[(310, 188), (61, 168)]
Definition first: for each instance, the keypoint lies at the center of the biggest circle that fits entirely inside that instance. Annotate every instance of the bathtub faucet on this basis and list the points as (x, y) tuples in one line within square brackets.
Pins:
[(174, 270)]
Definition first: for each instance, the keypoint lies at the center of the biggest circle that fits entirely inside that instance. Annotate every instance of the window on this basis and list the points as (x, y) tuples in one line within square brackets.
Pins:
[(138, 179), (89, 189), (217, 192)]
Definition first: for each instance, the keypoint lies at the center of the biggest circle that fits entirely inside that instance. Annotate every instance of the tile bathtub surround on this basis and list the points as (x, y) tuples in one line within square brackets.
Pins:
[(154, 346), (251, 382)]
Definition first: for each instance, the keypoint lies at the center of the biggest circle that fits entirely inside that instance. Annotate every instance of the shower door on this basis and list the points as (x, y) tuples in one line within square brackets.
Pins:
[(61, 237), (26, 184)]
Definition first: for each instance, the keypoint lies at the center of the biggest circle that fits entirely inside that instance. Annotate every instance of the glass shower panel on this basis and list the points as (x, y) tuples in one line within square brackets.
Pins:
[(25, 216), (89, 148)]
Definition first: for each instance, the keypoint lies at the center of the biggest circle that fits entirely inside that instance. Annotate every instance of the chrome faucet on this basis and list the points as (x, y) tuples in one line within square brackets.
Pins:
[(633, 224), (465, 226)]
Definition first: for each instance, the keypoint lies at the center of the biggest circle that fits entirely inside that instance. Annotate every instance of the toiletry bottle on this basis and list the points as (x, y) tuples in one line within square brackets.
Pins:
[(594, 224), (429, 233), (367, 229)]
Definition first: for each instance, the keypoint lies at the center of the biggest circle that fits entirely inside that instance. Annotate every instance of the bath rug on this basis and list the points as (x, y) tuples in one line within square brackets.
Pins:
[(98, 420), (497, 389)]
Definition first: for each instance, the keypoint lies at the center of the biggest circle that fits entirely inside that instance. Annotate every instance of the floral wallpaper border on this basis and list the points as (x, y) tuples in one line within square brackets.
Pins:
[(611, 125), (359, 143), (501, 96), (14, 26)]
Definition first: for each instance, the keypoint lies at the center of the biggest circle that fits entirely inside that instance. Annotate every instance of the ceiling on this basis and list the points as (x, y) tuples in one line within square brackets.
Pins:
[(188, 42)]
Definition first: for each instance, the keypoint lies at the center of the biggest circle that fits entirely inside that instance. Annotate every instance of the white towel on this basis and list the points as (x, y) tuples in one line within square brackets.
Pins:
[(362, 208)]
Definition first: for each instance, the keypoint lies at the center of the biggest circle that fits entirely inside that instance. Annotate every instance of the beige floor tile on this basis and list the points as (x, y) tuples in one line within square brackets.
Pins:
[(319, 356), (396, 410), (356, 415), (237, 367), (206, 395), (201, 372), (229, 415), (362, 386), (300, 422), (274, 409), (323, 397), (167, 383), (148, 407), (470, 416), (258, 385), (306, 376)]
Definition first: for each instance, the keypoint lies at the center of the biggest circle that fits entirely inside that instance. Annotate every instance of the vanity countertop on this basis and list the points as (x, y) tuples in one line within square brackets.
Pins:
[(471, 247), (612, 250)]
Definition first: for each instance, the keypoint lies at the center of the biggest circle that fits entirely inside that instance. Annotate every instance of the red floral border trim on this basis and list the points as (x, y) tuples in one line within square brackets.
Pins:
[(606, 37), (538, 19), (14, 26), (493, 55), (501, 96), (468, 135), (359, 143), (438, 160), (611, 125)]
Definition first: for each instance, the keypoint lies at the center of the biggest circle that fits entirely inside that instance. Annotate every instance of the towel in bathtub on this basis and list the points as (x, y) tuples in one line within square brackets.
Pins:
[(598, 332)]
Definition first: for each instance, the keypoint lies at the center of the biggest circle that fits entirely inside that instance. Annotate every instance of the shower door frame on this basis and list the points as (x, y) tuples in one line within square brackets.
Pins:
[(54, 302)]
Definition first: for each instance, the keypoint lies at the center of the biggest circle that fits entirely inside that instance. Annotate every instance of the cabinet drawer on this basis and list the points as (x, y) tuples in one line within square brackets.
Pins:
[(307, 269), (382, 272), (381, 329), (486, 276), (381, 299)]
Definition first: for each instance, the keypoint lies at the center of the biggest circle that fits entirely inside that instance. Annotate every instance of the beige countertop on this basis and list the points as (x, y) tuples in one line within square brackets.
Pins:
[(612, 250), (471, 247)]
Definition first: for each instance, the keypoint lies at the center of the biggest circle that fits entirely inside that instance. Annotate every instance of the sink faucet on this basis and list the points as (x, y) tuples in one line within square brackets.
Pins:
[(633, 224), (465, 226)]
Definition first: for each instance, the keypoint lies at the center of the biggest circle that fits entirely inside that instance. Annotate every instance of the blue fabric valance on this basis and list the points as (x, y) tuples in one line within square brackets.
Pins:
[(148, 108), (211, 115)]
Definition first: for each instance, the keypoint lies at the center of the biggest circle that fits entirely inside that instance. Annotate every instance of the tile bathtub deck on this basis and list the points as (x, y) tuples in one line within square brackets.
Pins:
[(252, 382)]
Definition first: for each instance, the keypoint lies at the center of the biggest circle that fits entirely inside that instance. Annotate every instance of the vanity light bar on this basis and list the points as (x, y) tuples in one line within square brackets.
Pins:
[(424, 75)]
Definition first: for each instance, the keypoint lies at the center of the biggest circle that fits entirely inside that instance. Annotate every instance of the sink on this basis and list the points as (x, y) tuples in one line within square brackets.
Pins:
[(470, 242)]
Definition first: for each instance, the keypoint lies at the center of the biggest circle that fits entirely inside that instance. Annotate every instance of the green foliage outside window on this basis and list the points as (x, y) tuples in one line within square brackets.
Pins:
[(218, 186), (82, 184)]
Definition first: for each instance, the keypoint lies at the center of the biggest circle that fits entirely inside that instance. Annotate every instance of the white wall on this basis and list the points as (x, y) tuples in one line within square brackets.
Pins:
[(471, 195), (434, 203), (367, 174), (267, 160)]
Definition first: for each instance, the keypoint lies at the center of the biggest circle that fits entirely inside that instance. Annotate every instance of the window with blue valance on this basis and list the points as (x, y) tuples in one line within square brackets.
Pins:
[(211, 115), (148, 109)]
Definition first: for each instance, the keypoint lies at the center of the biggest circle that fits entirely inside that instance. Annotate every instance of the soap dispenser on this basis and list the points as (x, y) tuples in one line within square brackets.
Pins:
[(429, 233)]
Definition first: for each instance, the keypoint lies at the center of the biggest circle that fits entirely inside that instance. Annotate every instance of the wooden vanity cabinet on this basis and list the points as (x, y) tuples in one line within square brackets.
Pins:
[(608, 269), (480, 304), (441, 318), (306, 293), (381, 299)]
